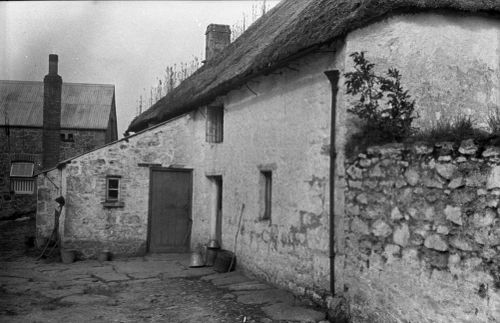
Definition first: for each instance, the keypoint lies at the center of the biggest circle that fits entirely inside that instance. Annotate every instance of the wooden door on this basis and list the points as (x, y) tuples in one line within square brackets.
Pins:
[(170, 210)]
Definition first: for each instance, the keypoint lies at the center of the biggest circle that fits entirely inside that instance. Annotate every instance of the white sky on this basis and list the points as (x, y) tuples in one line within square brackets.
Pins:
[(125, 43)]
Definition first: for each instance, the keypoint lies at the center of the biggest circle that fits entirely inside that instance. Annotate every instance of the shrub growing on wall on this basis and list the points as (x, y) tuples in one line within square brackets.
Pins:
[(385, 107)]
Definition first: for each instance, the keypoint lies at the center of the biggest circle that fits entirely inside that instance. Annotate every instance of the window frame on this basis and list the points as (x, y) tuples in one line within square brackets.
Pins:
[(214, 124), (117, 189), (23, 181)]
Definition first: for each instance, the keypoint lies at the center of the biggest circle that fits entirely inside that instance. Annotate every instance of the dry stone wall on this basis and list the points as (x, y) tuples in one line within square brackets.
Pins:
[(423, 233)]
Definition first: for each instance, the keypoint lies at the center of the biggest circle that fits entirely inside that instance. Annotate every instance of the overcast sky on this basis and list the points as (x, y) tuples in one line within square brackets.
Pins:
[(125, 43)]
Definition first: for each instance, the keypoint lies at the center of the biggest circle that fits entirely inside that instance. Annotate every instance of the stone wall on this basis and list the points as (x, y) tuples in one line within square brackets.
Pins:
[(423, 233), (450, 63), (83, 141), (25, 144), (22, 144), (49, 187), (283, 126), (88, 225)]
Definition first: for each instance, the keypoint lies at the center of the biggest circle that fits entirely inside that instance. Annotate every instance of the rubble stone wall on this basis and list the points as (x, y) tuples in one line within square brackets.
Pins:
[(22, 144), (281, 125), (88, 224), (25, 144), (423, 233), (49, 187), (83, 141)]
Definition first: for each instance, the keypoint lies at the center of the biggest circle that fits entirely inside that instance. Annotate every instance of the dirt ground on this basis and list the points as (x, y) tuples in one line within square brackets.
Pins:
[(154, 288)]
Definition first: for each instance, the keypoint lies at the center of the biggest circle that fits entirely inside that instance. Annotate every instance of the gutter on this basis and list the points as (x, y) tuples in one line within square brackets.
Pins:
[(333, 77)]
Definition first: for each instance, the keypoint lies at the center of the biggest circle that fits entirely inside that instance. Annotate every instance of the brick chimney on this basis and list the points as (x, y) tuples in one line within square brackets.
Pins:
[(217, 38), (52, 84)]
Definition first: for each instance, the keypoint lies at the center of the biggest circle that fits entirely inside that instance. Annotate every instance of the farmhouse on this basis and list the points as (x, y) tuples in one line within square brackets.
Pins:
[(42, 123), (254, 142)]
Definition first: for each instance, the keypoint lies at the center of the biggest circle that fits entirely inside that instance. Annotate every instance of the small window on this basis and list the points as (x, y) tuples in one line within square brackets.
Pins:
[(266, 185), (112, 189), (67, 137), (215, 124), (21, 178)]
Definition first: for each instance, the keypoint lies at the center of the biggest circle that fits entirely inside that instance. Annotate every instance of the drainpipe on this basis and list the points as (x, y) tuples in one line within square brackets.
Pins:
[(333, 77)]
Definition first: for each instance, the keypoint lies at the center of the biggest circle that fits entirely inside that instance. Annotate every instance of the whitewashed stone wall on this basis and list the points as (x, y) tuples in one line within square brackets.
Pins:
[(450, 63), (283, 124), (48, 189), (87, 224)]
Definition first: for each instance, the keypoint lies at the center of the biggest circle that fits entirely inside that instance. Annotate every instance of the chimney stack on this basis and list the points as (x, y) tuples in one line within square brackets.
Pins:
[(52, 88), (217, 38)]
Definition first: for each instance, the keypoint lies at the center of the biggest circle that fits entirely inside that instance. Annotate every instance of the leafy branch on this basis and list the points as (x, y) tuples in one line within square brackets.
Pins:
[(382, 102)]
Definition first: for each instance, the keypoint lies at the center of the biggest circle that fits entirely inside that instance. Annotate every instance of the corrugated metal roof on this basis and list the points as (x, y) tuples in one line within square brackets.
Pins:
[(84, 106)]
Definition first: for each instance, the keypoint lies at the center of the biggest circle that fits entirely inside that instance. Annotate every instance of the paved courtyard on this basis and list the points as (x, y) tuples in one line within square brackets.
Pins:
[(154, 288)]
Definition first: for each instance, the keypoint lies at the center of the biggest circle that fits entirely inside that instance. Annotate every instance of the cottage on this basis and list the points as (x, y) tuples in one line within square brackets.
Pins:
[(253, 142), (43, 123)]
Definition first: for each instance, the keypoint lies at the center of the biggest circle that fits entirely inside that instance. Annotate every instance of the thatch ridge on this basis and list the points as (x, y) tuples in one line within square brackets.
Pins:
[(290, 30)]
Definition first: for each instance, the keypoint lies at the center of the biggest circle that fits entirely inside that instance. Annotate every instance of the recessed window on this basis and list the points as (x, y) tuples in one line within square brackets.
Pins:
[(67, 137), (215, 124), (112, 189), (266, 186), (21, 178)]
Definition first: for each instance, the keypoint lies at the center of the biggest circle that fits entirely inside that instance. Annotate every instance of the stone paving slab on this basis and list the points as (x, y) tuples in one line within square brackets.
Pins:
[(250, 285), (60, 293), (220, 275), (109, 275), (235, 279), (9, 280), (287, 312), (265, 296), (85, 299)]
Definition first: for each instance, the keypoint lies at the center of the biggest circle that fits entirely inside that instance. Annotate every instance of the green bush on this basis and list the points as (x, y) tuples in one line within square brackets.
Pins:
[(385, 107)]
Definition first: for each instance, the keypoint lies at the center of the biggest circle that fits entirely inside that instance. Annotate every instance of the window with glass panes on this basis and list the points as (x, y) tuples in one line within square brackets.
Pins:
[(112, 188)]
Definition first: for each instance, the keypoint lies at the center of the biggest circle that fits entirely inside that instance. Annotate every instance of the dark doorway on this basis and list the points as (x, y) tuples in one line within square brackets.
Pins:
[(170, 210)]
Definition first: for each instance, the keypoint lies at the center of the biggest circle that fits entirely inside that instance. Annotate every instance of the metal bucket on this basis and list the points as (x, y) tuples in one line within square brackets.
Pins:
[(196, 259), (213, 244), (211, 256), (225, 261)]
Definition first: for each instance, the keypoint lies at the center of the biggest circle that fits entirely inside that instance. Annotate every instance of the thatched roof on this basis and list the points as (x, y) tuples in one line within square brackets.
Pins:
[(290, 30)]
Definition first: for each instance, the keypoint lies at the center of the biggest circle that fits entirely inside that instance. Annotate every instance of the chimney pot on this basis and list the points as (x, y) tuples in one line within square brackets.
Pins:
[(217, 38), (53, 64)]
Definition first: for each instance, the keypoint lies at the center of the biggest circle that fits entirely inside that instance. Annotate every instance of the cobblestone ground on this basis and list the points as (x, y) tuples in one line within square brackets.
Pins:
[(155, 288)]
